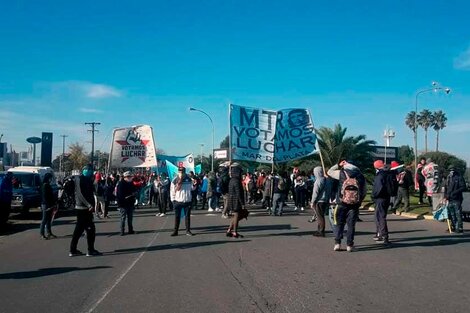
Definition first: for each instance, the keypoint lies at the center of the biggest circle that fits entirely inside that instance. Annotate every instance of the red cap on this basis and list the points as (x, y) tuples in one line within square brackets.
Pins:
[(394, 164), (378, 164)]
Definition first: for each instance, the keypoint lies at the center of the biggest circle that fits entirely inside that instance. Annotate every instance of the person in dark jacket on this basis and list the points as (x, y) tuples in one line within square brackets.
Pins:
[(126, 195), (108, 195), (236, 199), (84, 205), (279, 188), (48, 203), (405, 181), (454, 189), (382, 201)]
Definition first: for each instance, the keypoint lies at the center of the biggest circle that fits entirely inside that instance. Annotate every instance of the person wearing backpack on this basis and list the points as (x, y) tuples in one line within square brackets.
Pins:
[(351, 191), (383, 188)]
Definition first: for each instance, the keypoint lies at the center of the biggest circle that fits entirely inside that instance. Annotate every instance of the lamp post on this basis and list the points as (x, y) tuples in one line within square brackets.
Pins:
[(435, 87), (202, 145), (213, 133)]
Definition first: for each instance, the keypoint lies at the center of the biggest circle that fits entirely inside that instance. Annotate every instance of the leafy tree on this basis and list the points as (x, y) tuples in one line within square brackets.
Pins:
[(439, 123), (224, 144), (406, 154), (410, 121), (425, 120), (78, 157), (335, 145)]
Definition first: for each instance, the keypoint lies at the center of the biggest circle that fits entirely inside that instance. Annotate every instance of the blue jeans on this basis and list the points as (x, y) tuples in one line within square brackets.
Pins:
[(278, 200), (455, 214), (46, 220), (126, 213)]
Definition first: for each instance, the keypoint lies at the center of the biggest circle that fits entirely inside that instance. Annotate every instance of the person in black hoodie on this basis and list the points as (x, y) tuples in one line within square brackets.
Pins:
[(454, 189), (84, 205), (381, 196), (48, 202), (125, 195)]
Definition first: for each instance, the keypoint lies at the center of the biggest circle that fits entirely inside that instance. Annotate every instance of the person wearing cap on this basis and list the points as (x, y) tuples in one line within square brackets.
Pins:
[(405, 181), (454, 188), (180, 194), (381, 196), (84, 206), (126, 195)]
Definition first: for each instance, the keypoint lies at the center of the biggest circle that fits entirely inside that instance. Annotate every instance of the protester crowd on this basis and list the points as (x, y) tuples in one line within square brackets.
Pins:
[(334, 194)]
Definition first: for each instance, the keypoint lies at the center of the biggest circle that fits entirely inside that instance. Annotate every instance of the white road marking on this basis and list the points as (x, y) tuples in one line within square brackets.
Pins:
[(121, 277)]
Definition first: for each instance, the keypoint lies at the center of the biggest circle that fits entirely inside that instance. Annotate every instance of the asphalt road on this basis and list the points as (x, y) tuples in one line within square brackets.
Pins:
[(277, 267)]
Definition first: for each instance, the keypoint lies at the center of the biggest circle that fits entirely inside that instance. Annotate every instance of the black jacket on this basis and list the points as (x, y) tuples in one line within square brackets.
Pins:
[(47, 195), (406, 181), (379, 190), (125, 194), (455, 187)]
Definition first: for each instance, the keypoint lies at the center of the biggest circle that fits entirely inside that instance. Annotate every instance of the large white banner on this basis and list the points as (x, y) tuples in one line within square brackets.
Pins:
[(133, 147), (267, 136)]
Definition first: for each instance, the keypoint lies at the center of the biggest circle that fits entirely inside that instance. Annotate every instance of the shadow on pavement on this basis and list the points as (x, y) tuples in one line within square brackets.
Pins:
[(48, 272), (187, 245), (432, 241), (223, 228)]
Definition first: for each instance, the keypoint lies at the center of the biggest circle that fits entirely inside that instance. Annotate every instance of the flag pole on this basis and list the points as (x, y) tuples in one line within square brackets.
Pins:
[(229, 134)]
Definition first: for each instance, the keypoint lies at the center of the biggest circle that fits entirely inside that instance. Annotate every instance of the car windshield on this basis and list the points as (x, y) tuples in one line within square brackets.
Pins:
[(23, 180)]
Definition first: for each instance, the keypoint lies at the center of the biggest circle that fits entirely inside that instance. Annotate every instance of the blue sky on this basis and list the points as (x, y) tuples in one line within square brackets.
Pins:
[(358, 63)]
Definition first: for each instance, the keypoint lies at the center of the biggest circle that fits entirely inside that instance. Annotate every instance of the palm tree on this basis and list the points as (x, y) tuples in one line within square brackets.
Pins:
[(439, 123), (411, 122), (425, 120), (335, 145)]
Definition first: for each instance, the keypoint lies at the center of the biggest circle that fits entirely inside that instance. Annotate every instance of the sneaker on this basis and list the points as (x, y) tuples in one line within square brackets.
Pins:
[(311, 220), (337, 247), (189, 233), (296, 208), (378, 238), (224, 216), (210, 210), (350, 249), (158, 214), (318, 234), (302, 209), (386, 242), (162, 214), (52, 236), (131, 232), (122, 234), (218, 210), (75, 253), (44, 237), (94, 253), (174, 234)]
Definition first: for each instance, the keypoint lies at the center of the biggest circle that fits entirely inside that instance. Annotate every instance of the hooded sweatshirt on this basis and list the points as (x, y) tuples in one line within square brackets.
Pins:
[(321, 192)]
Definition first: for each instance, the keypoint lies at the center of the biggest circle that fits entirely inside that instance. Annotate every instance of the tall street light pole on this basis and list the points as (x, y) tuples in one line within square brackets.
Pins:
[(435, 88), (213, 134), (93, 131), (61, 169)]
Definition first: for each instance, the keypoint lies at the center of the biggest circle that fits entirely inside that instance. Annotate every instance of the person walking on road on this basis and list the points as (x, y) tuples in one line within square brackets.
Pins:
[(351, 192), (180, 193), (320, 199), (454, 189), (126, 195), (279, 188), (164, 194), (84, 206), (99, 195), (236, 199), (381, 193), (48, 206)]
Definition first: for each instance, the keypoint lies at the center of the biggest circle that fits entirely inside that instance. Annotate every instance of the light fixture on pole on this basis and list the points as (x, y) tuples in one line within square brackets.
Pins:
[(213, 134), (202, 145), (388, 135), (435, 87)]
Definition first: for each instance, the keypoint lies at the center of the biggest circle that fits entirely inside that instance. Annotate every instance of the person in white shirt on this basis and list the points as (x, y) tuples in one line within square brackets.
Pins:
[(180, 194)]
